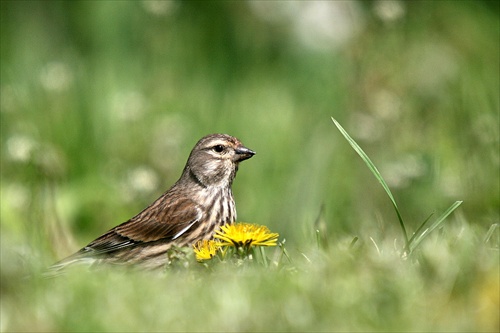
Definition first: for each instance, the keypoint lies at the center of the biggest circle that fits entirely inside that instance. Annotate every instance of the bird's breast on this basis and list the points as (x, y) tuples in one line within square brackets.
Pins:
[(219, 206)]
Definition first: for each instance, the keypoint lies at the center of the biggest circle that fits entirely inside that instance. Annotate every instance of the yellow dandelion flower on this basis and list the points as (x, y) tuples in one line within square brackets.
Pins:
[(246, 235), (205, 249)]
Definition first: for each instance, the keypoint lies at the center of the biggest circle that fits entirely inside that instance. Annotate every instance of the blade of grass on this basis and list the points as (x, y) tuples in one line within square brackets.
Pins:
[(420, 228), (318, 241), (263, 255), (490, 232), (437, 223), (353, 242), (284, 251), (377, 175)]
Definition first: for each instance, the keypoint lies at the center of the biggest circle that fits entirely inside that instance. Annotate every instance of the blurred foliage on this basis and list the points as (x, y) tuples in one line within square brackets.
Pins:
[(101, 102)]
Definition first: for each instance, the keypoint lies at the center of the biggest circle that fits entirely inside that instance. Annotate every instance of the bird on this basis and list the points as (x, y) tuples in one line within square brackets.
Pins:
[(194, 207)]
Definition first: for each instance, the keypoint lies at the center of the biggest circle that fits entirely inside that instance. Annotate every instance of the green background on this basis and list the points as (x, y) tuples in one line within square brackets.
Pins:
[(102, 101)]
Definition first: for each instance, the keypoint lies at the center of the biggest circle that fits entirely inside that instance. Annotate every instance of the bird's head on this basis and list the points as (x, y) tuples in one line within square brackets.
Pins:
[(215, 158)]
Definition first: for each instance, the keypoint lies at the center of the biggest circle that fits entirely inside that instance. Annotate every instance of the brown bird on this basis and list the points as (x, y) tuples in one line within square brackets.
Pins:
[(191, 210)]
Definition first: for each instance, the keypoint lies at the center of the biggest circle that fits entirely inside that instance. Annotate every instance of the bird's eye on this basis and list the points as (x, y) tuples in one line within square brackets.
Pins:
[(218, 148)]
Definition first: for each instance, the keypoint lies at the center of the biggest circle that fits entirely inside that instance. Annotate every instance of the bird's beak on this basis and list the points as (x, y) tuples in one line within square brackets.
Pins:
[(243, 153)]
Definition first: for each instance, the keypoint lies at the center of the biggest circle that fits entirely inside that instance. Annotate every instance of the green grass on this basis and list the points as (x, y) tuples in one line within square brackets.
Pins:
[(338, 289), (412, 243), (101, 103)]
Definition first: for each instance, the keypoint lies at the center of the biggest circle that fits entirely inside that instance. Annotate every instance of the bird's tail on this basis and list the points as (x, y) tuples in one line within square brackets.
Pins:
[(78, 259)]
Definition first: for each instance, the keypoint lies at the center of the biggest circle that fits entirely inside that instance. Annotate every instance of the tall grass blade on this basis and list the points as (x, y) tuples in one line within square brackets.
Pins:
[(433, 226), (377, 175), (415, 234)]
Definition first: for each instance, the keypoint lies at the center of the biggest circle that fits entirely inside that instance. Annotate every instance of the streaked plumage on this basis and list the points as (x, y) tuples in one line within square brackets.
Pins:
[(199, 202)]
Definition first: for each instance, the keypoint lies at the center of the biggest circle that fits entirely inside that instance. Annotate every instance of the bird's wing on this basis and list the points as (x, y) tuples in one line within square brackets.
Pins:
[(155, 223), (165, 219)]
